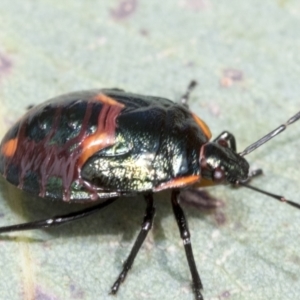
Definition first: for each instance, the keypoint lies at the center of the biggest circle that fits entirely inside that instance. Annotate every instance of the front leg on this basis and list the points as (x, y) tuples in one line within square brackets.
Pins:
[(228, 138)]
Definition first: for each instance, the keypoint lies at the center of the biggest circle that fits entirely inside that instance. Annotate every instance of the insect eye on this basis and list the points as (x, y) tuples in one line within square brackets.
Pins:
[(219, 175), (223, 143)]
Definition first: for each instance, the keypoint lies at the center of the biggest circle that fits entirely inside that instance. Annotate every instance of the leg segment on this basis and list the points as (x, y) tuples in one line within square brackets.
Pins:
[(185, 97), (185, 235), (228, 137), (57, 220), (252, 174), (146, 226)]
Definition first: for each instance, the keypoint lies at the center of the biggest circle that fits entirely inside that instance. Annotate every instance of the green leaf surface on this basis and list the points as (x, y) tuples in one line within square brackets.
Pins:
[(245, 56)]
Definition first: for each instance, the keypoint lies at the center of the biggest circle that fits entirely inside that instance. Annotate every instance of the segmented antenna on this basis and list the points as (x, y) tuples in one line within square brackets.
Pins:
[(270, 135), (257, 144), (274, 196)]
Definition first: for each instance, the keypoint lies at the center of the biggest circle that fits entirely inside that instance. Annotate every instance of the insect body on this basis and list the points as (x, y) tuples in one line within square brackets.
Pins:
[(103, 144)]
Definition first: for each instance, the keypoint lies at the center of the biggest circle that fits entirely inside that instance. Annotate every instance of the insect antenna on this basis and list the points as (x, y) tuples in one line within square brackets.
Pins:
[(270, 135), (258, 172), (274, 196), (257, 144)]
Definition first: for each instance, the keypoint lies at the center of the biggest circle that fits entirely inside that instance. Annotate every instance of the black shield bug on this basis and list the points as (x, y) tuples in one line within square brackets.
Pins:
[(103, 144)]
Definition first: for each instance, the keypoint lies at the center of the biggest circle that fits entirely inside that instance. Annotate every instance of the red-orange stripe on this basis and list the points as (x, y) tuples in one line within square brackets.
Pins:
[(203, 126), (105, 133), (10, 147), (178, 182)]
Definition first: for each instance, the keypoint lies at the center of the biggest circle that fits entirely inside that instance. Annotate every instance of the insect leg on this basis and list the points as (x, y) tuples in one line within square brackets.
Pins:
[(185, 97), (58, 220), (186, 238), (30, 106), (229, 138), (146, 226)]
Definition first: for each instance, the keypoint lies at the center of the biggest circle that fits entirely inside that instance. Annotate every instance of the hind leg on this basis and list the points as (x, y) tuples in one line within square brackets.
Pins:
[(185, 97), (57, 220)]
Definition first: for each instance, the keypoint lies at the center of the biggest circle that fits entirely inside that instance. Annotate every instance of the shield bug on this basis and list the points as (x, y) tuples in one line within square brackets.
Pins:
[(103, 144)]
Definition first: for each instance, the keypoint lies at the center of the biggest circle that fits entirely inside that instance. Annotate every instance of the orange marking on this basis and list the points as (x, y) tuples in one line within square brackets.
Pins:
[(202, 125), (10, 147), (178, 182), (108, 100), (105, 133), (205, 183), (94, 143)]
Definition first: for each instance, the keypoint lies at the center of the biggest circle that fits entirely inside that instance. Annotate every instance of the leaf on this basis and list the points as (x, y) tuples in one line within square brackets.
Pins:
[(245, 57)]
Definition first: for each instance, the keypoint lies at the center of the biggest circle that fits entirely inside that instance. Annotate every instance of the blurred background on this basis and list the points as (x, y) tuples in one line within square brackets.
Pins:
[(245, 56)]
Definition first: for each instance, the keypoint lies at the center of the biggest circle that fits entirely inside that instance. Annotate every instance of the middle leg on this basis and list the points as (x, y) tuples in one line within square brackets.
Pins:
[(186, 238), (146, 226)]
